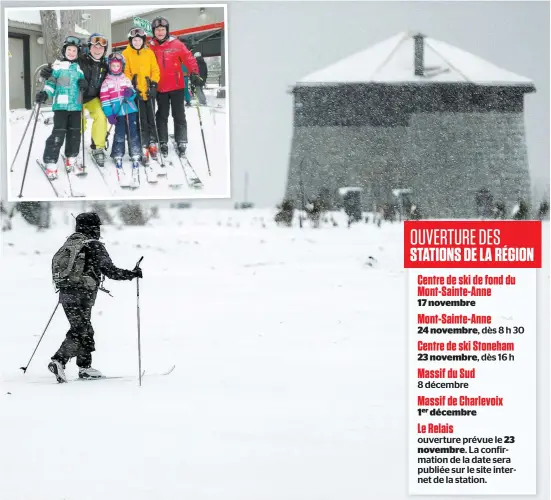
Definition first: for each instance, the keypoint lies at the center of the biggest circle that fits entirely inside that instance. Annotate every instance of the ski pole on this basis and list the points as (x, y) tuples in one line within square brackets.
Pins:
[(155, 122), (30, 150), (83, 121), (203, 135), (22, 138), (24, 368), (138, 96), (139, 326)]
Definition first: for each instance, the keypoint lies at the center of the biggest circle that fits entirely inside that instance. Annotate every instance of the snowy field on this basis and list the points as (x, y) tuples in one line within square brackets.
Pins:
[(290, 354), (97, 187)]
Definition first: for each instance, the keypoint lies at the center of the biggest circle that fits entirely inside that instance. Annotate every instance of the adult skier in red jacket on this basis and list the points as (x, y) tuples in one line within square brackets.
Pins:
[(171, 53)]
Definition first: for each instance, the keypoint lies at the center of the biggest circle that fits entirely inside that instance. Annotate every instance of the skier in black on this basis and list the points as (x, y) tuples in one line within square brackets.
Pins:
[(77, 301), (202, 65)]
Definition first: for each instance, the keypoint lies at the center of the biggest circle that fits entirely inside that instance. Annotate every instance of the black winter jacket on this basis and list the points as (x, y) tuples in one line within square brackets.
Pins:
[(98, 263), (94, 72), (203, 70)]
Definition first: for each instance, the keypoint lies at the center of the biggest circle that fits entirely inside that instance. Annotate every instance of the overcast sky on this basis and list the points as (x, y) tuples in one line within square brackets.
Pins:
[(274, 44)]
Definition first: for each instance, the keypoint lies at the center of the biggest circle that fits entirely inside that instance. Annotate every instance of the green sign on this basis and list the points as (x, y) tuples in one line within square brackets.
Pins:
[(144, 24)]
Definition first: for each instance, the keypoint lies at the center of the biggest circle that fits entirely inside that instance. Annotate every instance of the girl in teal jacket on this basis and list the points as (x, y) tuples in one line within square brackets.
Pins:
[(65, 87)]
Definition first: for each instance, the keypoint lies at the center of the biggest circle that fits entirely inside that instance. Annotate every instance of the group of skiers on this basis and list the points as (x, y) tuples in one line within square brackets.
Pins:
[(119, 89)]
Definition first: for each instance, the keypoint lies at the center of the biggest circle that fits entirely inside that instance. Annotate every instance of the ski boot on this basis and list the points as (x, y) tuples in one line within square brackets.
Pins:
[(153, 150), (135, 171), (70, 163), (99, 156), (51, 171), (58, 370), (89, 373), (164, 149), (145, 156), (182, 146)]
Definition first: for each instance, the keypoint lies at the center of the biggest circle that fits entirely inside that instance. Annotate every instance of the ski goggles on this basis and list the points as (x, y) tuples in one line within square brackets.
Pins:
[(136, 32), (116, 56), (99, 40), (159, 22), (72, 40)]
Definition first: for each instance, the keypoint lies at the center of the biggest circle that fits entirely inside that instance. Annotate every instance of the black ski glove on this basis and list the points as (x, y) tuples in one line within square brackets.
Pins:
[(152, 90), (83, 84), (196, 80), (41, 97), (46, 72), (135, 82), (137, 272)]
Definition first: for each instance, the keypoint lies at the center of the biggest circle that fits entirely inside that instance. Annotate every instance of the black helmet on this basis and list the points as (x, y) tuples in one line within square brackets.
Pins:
[(160, 21), (71, 41), (89, 224), (137, 33)]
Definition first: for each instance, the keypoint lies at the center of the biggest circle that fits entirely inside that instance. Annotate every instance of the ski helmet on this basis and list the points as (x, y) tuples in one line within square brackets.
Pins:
[(160, 21), (197, 54), (116, 56), (136, 33), (71, 41), (98, 39)]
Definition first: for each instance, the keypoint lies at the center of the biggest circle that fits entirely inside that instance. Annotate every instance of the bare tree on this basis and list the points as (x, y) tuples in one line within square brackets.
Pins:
[(52, 34)]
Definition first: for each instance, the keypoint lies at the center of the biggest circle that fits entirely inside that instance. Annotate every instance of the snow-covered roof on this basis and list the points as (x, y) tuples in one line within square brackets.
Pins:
[(392, 61), (81, 31), (28, 16)]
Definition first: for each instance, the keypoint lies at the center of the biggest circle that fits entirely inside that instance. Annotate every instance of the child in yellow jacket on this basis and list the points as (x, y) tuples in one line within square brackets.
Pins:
[(143, 71)]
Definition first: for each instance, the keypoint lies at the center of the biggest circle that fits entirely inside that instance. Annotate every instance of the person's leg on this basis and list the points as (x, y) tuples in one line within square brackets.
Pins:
[(72, 142), (133, 135), (177, 102), (163, 110), (57, 137), (99, 130), (117, 151), (99, 125), (87, 345), (150, 123), (78, 321)]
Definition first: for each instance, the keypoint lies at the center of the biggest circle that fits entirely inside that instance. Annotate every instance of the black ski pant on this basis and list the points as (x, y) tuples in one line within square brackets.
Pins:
[(79, 340), (66, 129), (147, 123), (166, 101)]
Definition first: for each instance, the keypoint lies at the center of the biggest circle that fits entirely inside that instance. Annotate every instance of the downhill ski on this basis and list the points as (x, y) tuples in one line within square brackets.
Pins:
[(192, 178)]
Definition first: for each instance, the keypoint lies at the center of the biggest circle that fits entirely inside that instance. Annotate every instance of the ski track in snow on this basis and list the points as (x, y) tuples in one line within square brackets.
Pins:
[(93, 187), (290, 354)]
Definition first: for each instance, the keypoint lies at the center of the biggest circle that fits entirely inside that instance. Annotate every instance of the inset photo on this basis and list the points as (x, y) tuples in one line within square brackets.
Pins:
[(119, 102)]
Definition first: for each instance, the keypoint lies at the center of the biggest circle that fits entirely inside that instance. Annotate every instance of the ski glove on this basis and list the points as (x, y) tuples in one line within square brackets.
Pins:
[(83, 84), (41, 97), (152, 90), (137, 272), (196, 80), (127, 92), (46, 72), (112, 119)]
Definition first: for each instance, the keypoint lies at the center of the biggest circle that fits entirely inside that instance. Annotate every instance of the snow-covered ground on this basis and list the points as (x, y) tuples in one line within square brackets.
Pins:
[(290, 354), (94, 186)]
